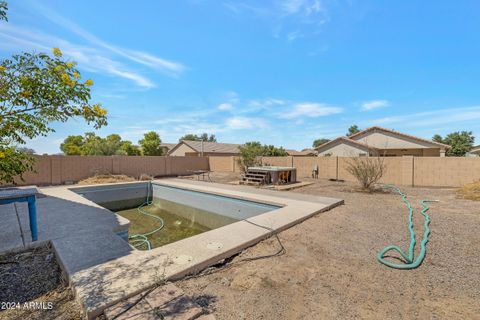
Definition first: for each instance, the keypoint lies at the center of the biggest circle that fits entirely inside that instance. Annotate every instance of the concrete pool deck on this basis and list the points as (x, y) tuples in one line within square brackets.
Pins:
[(104, 269)]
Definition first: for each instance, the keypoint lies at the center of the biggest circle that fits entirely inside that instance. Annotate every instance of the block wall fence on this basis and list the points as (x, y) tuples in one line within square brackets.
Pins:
[(406, 170), (56, 170)]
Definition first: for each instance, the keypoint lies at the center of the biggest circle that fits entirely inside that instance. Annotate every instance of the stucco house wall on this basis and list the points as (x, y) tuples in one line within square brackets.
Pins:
[(343, 149), (386, 140), (181, 151)]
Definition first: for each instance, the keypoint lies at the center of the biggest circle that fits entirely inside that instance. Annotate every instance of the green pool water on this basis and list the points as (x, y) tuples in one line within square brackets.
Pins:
[(185, 222)]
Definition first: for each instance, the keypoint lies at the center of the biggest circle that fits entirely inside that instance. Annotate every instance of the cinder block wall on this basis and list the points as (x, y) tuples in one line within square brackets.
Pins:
[(406, 170), (55, 170)]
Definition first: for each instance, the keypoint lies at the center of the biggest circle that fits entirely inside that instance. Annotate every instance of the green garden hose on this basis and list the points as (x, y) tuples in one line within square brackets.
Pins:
[(411, 262), (141, 239)]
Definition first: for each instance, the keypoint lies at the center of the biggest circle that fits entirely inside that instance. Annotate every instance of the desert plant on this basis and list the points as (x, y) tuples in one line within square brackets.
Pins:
[(367, 170)]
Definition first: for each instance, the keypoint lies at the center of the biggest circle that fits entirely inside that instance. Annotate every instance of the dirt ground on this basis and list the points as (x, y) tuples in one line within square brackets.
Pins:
[(31, 287), (330, 270)]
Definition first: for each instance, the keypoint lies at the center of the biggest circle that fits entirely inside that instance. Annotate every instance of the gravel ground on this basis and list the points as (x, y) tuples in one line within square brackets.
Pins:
[(31, 287), (330, 270)]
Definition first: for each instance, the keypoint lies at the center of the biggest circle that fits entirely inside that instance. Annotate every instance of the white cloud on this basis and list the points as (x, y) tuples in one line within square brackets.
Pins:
[(303, 16), (245, 123), (291, 36), (301, 6), (13, 37), (169, 67), (438, 117), (374, 104), (311, 110), (225, 106)]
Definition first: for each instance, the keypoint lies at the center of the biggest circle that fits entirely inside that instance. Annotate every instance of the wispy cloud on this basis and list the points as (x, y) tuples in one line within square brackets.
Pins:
[(303, 16), (91, 59), (225, 106), (438, 117), (147, 59), (245, 123), (311, 110), (374, 104)]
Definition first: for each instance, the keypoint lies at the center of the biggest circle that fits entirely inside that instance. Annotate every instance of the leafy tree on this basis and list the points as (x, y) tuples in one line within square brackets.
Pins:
[(72, 145), (203, 137), (272, 151), (112, 145), (460, 142), (92, 144), (3, 10), (352, 130), (35, 90), (250, 151), (318, 142), (437, 138), (14, 163), (26, 150), (150, 144), (129, 149)]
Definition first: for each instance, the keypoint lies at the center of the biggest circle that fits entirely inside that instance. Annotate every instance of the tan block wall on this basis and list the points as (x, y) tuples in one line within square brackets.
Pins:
[(277, 161), (53, 170), (221, 164), (446, 172), (406, 170)]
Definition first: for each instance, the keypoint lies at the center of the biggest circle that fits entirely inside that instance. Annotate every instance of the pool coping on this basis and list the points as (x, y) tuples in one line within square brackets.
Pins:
[(105, 284)]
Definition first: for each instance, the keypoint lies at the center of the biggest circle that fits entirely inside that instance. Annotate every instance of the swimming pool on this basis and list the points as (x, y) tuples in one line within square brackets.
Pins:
[(172, 213)]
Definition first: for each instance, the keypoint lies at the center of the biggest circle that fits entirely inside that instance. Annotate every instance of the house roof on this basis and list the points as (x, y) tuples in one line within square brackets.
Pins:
[(168, 145), (210, 147), (346, 140), (378, 128), (305, 152), (475, 149)]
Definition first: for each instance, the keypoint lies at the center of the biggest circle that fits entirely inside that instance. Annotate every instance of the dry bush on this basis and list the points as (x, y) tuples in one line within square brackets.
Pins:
[(145, 177), (106, 178), (470, 191), (367, 170)]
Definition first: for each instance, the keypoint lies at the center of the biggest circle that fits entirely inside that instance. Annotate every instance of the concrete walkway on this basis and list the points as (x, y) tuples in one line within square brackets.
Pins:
[(82, 233)]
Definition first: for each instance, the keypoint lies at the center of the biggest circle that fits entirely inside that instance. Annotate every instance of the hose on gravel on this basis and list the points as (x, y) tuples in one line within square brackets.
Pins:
[(410, 261)]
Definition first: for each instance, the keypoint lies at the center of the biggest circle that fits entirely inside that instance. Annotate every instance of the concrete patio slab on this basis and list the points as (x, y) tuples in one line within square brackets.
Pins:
[(104, 269), (10, 232)]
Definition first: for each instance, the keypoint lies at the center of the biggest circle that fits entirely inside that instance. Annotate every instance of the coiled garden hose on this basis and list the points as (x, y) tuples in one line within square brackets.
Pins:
[(411, 262), (141, 239)]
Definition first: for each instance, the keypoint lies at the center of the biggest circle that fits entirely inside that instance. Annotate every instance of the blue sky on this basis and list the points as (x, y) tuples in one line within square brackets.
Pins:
[(282, 72)]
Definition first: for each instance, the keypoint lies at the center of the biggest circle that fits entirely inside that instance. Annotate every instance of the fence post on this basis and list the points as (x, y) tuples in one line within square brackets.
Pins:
[(408, 171), (56, 167), (115, 164), (336, 168)]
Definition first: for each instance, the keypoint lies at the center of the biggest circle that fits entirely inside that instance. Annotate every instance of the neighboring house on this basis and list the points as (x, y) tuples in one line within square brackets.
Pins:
[(167, 147), (384, 142), (303, 153), (474, 152), (199, 148)]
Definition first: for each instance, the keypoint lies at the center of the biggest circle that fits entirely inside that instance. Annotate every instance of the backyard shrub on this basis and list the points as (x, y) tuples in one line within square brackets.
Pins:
[(367, 170), (470, 191)]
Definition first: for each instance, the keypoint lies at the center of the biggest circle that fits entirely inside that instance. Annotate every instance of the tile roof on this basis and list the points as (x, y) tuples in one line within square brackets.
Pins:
[(347, 140), (213, 147), (378, 128), (168, 145)]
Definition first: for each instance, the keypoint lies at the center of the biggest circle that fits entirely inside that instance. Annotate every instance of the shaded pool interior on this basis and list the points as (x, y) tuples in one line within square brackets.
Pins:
[(185, 212)]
